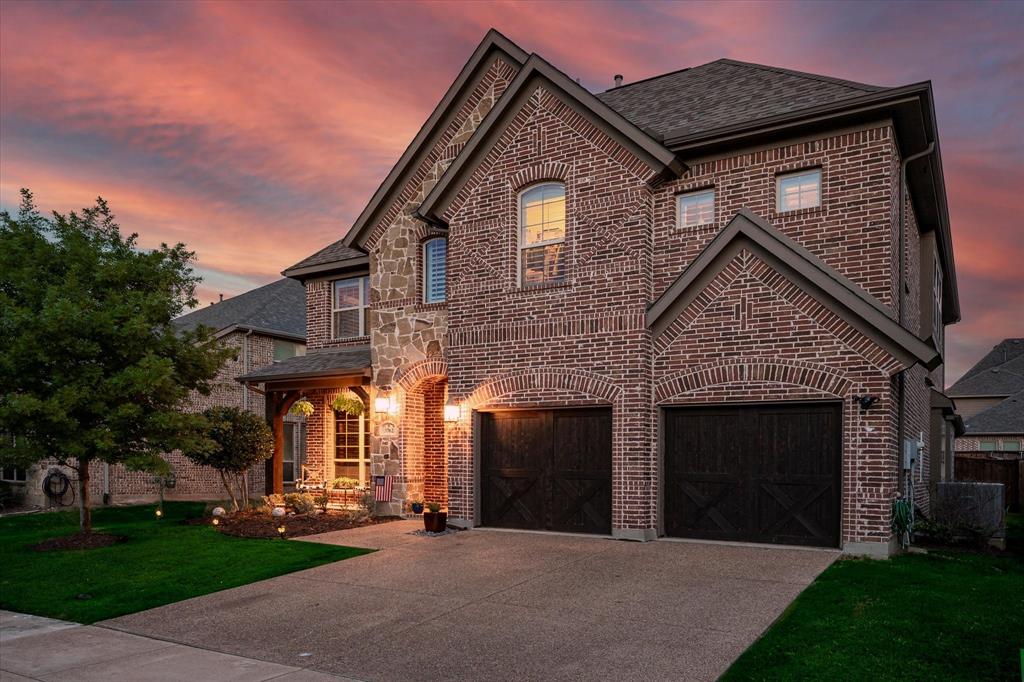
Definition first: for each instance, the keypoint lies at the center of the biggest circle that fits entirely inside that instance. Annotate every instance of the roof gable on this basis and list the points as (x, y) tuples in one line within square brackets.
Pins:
[(493, 45), (278, 308), (821, 281), (535, 72), (1005, 418)]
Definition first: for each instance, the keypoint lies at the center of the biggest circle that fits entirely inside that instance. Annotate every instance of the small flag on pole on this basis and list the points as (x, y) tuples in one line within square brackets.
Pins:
[(382, 486)]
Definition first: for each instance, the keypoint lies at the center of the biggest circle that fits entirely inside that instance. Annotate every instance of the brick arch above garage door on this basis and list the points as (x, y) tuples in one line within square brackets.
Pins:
[(576, 381), (738, 371)]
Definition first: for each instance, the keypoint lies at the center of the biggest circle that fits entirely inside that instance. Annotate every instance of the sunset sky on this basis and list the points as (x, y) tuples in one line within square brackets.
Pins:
[(255, 132)]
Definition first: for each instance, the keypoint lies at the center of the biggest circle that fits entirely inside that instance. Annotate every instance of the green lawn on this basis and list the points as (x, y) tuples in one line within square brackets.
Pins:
[(940, 616), (161, 562)]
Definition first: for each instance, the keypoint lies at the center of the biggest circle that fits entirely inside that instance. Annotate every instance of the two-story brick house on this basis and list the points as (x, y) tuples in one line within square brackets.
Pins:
[(707, 305)]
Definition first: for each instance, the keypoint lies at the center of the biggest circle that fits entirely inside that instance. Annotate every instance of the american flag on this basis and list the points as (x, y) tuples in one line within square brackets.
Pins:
[(382, 486)]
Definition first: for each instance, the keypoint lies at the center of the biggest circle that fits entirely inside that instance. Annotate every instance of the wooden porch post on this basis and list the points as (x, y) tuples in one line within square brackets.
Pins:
[(279, 404)]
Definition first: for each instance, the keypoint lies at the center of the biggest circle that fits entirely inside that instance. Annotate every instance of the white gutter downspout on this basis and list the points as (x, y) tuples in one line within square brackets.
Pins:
[(902, 386)]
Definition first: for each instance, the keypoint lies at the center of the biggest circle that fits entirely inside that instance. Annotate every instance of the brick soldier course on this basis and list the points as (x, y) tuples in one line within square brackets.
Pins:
[(825, 304)]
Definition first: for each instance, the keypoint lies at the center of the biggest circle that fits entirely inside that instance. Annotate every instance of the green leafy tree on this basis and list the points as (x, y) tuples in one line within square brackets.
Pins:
[(91, 367), (240, 440)]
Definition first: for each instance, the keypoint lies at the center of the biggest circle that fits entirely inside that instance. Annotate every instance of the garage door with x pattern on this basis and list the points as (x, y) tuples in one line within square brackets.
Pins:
[(765, 473), (547, 469)]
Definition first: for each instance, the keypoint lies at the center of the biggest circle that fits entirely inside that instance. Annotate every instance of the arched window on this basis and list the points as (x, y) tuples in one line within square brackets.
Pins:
[(542, 235), (435, 256)]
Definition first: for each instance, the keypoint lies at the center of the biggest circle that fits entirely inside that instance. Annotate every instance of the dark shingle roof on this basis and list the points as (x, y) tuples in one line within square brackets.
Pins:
[(1006, 417), (723, 93), (276, 307), (1000, 372), (329, 254), (315, 363)]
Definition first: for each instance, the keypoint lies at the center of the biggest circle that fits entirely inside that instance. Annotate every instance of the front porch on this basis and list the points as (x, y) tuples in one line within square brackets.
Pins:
[(353, 434)]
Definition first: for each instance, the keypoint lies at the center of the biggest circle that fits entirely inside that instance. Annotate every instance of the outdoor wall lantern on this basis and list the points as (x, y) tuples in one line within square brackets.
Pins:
[(385, 404), (452, 413), (865, 401)]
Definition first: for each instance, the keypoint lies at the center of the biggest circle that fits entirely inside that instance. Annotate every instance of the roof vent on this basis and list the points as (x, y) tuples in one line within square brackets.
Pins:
[(221, 298), (618, 80)]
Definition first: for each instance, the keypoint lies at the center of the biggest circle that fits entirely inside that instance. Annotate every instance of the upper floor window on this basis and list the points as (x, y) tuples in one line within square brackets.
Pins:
[(988, 445), (435, 257), (799, 190), (350, 307), (1011, 445), (542, 235), (696, 208), (287, 349)]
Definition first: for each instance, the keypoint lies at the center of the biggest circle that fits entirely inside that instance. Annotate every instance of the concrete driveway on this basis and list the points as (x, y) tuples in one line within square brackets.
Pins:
[(500, 605)]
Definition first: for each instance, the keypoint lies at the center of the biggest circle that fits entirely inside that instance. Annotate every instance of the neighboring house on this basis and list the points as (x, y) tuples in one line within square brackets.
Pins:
[(990, 398), (265, 325), (709, 304)]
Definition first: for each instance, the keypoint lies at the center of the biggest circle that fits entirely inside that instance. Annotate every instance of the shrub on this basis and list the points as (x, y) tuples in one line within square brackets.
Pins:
[(268, 502), (302, 503)]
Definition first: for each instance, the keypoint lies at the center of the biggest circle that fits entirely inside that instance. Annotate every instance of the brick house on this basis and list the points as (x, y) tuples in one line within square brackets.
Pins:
[(990, 398), (265, 325), (710, 304)]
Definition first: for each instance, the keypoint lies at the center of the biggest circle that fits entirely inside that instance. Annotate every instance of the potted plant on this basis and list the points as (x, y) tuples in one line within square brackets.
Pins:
[(435, 520), (416, 506)]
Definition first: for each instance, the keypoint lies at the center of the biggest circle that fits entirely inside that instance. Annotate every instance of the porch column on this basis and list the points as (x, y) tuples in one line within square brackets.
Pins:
[(278, 406)]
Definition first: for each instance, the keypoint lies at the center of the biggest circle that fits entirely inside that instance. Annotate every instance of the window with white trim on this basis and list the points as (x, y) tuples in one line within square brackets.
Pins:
[(696, 208), (987, 445), (13, 475), (435, 257), (352, 446), (799, 190), (542, 235), (350, 307), (1011, 445)]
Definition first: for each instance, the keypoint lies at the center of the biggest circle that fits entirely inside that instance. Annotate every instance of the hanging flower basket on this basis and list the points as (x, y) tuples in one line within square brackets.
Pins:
[(302, 407), (348, 404)]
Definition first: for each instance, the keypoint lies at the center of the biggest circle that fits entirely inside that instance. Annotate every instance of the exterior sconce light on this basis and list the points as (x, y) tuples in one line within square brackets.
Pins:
[(385, 404), (865, 401), (452, 413)]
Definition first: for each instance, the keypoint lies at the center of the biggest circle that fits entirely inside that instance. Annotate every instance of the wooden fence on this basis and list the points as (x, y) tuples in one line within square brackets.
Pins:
[(1009, 472)]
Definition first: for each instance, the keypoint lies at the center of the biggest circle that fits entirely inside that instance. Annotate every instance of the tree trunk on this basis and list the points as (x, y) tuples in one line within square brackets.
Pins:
[(84, 510), (224, 480), (245, 488)]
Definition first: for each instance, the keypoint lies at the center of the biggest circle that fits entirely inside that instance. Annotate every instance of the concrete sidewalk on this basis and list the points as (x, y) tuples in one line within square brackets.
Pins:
[(34, 648)]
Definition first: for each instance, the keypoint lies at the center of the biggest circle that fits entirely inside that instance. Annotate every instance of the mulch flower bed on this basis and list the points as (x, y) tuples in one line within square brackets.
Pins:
[(78, 541), (258, 524)]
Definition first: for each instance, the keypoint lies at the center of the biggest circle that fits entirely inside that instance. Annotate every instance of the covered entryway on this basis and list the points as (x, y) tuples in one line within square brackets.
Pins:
[(755, 473), (547, 469)]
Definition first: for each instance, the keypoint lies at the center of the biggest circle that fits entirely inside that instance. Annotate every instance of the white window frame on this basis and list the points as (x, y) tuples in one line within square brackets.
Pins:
[(808, 172), (426, 271), (364, 303), (521, 233), (692, 195), (364, 460)]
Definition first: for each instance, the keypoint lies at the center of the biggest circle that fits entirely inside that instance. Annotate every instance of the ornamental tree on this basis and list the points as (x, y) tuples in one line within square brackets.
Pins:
[(91, 367), (240, 440)]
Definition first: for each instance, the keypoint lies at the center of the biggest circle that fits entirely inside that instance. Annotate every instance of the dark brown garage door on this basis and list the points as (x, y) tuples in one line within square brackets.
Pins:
[(547, 470), (768, 473)]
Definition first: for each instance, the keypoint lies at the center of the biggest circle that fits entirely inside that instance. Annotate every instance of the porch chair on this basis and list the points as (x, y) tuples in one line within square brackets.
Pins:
[(310, 479)]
